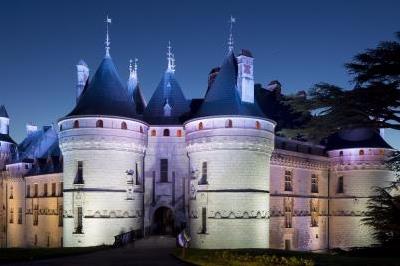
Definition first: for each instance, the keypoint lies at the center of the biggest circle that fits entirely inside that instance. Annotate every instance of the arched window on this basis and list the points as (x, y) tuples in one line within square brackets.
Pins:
[(341, 153), (200, 125), (76, 124), (166, 132), (179, 133), (361, 152), (99, 123), (258, 125), (60, 127), (124, 125), (153, 133), (141, 129), (228, 123)]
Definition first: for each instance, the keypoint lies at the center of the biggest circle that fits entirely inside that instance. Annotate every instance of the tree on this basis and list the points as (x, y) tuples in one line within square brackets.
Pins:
[(373, 102), (383, 210)]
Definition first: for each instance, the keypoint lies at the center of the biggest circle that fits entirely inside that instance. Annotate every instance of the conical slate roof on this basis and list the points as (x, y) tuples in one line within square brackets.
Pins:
[(105, 94), (223, 98), (139, 100), (3, 111), (167, 91), (356, 138)]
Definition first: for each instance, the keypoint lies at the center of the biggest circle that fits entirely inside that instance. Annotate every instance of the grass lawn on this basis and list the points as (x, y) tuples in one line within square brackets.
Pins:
[(27, 254), (256, 257)]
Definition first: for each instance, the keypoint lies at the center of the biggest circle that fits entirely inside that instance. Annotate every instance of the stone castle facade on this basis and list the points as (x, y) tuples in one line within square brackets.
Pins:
[(116, 164)]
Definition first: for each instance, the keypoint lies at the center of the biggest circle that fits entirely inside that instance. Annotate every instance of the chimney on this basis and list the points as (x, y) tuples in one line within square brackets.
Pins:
[(83, 75), (31, 128), (245, 79)]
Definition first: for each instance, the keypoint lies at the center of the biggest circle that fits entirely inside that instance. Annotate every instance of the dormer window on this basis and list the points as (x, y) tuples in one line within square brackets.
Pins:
[(76, 124), (258, 125), (167, 109), (124, 125), (179, 133), (341, 153), (166, 132), (141, 129), (228, 123), (361, 152), (153, 133), (201, 126), (99, 123)]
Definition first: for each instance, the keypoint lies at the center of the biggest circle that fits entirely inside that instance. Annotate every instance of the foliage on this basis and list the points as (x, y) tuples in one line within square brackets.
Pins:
[(373, 102), (230, 258), (383, 210)]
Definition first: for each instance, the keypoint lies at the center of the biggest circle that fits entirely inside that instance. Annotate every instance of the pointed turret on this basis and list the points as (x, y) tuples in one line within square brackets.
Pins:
[(134, 91), (4, 120), (105, 94), (223, 97), (168, 103)]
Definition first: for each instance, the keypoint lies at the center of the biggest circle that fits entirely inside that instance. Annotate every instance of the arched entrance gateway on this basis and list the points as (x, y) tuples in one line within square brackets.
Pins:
[(163, 222)]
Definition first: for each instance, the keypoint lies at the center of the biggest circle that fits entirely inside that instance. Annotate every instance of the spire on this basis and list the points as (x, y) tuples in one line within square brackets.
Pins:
[(230, 39), (170, 59), (107, 42), (3, 111)]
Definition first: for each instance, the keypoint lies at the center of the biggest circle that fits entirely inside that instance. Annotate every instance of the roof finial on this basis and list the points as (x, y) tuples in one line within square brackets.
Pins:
[(230, 39), (133, 69), (107, 42), (170, 59)]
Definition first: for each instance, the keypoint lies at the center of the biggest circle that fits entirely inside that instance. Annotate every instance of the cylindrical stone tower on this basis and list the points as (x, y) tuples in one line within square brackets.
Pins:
[(229, 144), (103, 146), (357, 158)]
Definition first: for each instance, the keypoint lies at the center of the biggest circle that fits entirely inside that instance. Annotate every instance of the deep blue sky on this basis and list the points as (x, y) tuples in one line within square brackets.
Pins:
[(297, 42)]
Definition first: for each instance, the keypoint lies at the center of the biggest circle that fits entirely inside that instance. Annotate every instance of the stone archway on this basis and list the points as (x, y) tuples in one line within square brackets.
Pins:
[(163, 222)]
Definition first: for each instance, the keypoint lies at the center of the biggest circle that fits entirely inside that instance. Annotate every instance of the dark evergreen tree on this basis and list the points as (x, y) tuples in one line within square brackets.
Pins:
[(373, 102)]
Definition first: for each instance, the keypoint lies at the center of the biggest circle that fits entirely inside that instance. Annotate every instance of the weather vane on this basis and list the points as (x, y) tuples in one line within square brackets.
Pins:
[(230, 40), (107, 42), (170, 58)]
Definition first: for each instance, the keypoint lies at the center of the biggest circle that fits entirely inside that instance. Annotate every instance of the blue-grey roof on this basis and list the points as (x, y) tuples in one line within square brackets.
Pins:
[(39, 144), (223, 98), (105, 94), (6, 138), (356, 138), (168, 90), (139, 100), (3, 111)]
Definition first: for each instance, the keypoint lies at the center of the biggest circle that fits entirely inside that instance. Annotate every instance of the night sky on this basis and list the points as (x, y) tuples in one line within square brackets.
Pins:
[(299, 43)]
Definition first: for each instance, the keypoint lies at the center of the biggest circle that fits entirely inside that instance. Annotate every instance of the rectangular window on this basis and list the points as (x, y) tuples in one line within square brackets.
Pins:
[(203, 180), (28, 191), (340, 185), (204, 220), (136, 174), (53, 189), (36, 190), (11, 215), (60, 215), (288, 180), (45, 190), (79, 226), (288, 209), (79, 173), (314, 183), (314, 212), (19, 215), (164, 170), (11, 192), (35, 215)]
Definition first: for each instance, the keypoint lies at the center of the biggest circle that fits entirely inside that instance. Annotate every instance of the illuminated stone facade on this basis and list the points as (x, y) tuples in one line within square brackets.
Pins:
[(109, 167)]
